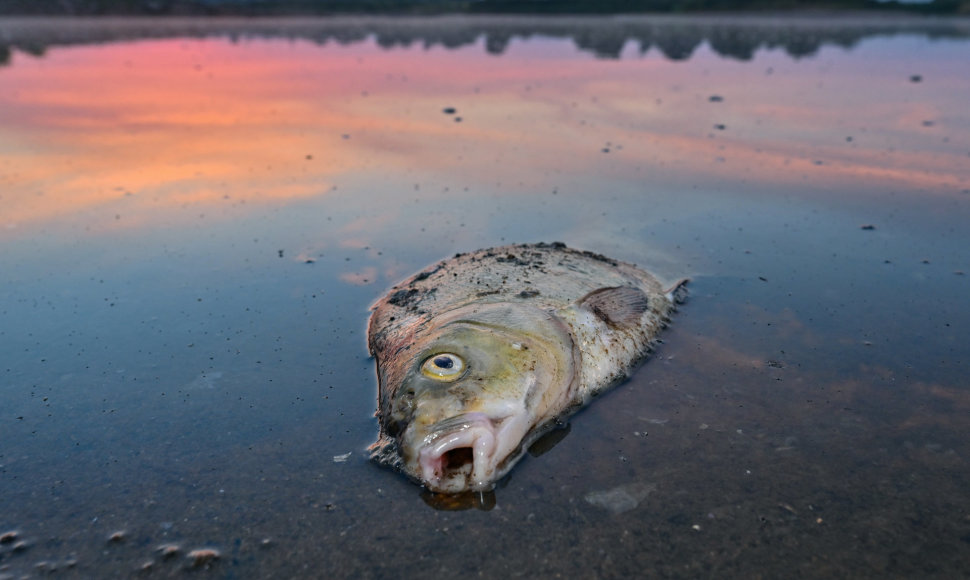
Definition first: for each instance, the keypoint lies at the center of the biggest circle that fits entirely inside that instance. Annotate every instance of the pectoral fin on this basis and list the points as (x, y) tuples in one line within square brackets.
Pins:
[(618, 306)]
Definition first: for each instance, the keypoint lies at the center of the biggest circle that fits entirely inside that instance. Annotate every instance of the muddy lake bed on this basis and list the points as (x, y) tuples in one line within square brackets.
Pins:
[(195, 216)]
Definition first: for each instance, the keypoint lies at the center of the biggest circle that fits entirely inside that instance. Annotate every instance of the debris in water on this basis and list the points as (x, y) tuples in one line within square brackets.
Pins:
[(342, 458), (622, 498), (117, 537), (869, 227), (9, 537)]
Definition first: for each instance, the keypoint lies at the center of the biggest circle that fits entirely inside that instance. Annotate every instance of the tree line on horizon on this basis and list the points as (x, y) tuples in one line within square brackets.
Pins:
[(291, 7)]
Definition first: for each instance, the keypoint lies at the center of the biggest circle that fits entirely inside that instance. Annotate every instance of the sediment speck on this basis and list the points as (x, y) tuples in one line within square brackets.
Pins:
[(9, 537), (117, 537)]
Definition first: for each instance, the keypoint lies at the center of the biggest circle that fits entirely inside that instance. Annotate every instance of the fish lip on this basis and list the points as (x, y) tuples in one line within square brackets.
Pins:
[(476, 431), (448, 426)]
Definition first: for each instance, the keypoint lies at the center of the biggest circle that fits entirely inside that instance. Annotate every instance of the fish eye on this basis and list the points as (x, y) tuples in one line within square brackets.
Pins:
[(443, 366)]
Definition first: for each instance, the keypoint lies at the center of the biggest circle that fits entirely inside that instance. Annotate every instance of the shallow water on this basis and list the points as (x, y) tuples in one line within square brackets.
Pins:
[(195, 216)]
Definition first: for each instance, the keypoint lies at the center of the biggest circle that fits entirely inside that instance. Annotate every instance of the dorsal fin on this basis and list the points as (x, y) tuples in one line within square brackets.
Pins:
[(617, 306)]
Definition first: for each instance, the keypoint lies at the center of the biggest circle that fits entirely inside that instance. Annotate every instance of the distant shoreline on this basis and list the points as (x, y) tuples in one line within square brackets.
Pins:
[(737, 35), (282, 8)]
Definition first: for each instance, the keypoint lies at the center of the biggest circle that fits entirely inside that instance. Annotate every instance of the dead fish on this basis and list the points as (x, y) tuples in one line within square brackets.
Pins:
[(479, 355)]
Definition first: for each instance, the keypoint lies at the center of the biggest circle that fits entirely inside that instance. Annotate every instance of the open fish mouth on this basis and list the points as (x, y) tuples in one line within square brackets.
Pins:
[(459, 454)]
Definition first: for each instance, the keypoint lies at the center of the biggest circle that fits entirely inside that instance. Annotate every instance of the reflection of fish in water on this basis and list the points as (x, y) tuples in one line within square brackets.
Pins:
[(478, 355)]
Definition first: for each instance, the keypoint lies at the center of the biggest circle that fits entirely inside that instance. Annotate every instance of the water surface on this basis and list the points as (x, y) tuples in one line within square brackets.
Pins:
[(196, 215)]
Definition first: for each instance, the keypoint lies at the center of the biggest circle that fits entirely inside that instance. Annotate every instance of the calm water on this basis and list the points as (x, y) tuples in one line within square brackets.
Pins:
[(195, 217)]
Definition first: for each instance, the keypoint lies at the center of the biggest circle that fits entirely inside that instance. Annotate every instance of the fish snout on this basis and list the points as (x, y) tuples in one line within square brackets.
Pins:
[(459, 454)]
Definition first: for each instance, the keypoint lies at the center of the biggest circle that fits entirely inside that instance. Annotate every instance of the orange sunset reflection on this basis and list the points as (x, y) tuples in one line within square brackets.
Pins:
[(166, 123)]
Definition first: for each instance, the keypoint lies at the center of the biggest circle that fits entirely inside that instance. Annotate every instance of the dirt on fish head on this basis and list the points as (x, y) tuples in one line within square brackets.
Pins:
[(463, 394)]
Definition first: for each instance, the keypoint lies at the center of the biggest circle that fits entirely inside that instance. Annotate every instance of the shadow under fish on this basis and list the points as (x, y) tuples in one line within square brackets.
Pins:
[(480, 355)]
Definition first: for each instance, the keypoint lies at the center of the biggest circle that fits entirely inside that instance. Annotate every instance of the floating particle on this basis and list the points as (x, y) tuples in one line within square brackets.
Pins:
[(869, 227), (716, 99), (168, 550), (117, 537), (449, 110)]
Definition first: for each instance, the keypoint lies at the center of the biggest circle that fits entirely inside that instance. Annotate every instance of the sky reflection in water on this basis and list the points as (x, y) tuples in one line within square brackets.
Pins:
[(187, 121), (192, 229)]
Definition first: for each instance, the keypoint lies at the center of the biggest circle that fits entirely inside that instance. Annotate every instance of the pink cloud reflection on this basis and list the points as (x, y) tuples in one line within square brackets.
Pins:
[(162, 124)]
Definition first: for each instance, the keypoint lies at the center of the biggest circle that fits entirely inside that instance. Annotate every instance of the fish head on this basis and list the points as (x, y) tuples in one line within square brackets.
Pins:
[(473, 388)]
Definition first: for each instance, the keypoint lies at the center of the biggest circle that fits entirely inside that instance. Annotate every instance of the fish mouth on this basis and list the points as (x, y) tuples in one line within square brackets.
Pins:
[(459, 454)]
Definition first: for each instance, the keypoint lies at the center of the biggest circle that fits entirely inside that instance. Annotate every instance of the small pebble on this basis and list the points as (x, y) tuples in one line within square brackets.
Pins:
[(20, 546), (203, 557), (169, 550), (8, 537), (117, 537)]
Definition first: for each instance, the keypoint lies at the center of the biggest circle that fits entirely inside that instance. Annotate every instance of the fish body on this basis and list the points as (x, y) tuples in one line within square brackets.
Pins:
[(479, 355)]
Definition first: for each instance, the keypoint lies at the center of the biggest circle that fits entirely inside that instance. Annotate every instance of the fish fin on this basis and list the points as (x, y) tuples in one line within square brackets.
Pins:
[(617, 306), (678, 292)]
